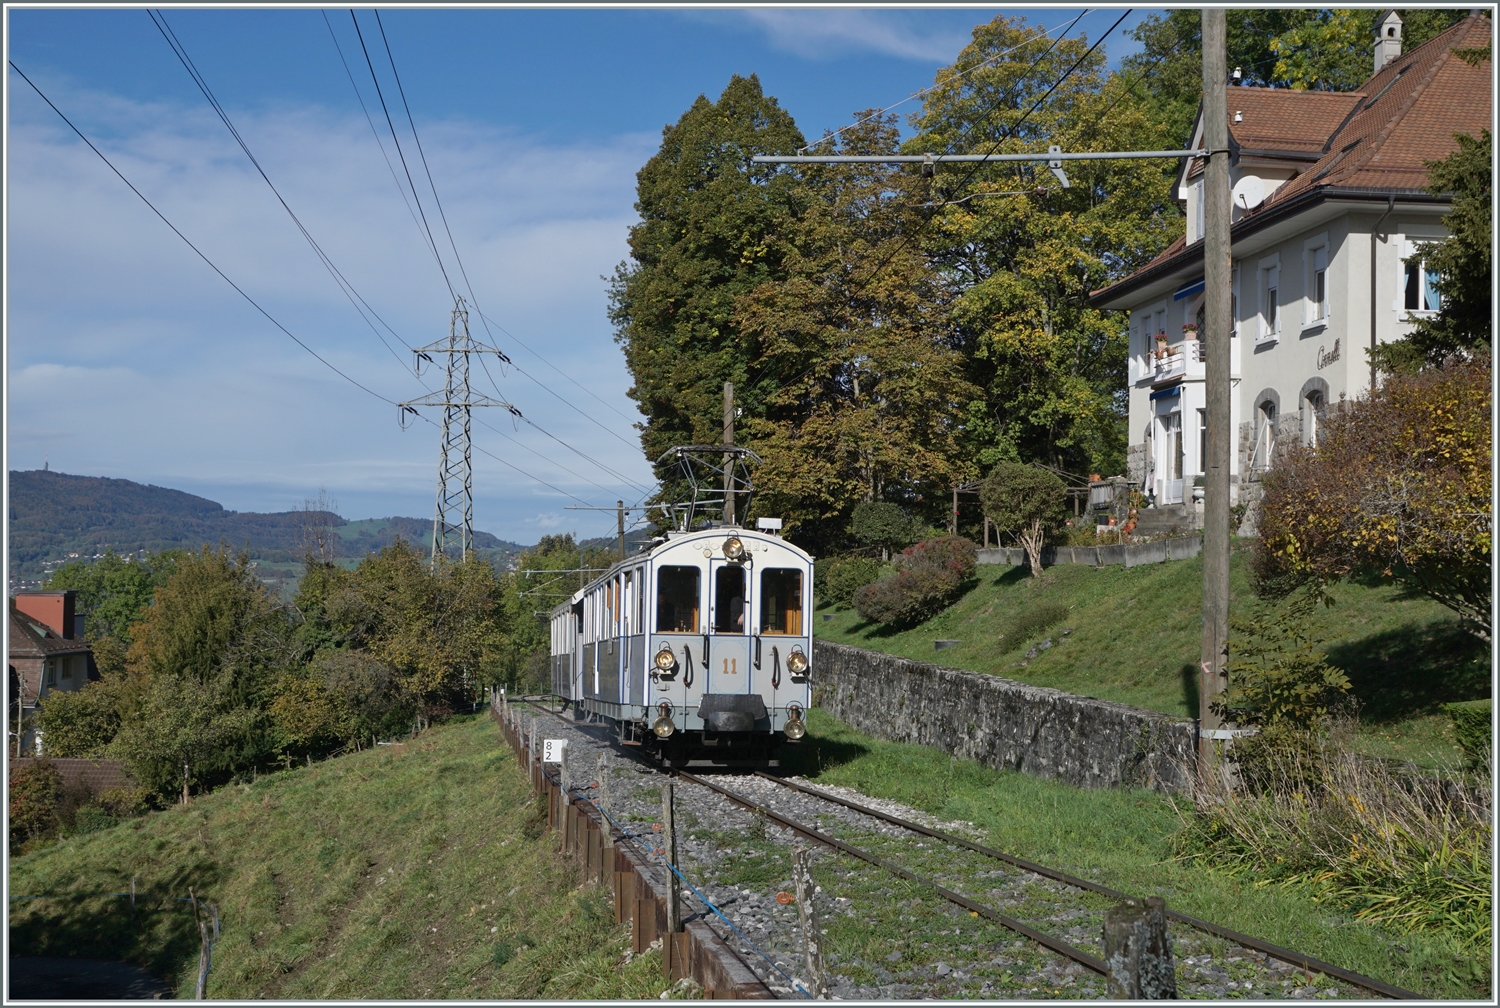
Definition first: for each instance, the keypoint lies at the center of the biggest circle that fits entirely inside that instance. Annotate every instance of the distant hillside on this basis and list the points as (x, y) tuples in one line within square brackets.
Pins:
[(55, 517)]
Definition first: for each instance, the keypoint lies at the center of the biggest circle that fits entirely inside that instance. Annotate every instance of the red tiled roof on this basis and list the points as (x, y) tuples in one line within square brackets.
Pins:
[(1377, 137), (1414, 106), (28, 639), (1285, 120)]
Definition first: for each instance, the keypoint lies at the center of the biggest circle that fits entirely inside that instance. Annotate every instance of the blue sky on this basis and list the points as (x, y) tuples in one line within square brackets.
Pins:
[(128, 357)]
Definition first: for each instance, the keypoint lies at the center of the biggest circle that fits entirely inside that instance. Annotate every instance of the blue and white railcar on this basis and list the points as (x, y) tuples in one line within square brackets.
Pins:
[(699, 649)]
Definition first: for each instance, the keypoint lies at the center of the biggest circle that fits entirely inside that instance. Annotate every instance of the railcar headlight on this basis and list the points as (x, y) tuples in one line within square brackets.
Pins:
[(665, 659), (733, 548), (796, 662), (662, 727), (794, 727)]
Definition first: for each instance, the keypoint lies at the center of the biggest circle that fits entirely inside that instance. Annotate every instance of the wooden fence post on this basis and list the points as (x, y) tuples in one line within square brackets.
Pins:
[(1138, 951), (669, 845), (812, 938)]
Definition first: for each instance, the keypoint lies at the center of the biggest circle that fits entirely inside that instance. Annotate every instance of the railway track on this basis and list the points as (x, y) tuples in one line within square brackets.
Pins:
[(760, 808)]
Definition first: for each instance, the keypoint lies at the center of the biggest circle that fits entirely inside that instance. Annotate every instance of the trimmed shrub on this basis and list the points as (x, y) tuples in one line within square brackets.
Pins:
[(1473, 721), (878, 523), (846, 575), (1026, 502), (928, 576)]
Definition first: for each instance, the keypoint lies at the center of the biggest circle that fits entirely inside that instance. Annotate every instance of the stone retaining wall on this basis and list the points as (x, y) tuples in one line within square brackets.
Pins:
[(1002, 723), (1129, 554)]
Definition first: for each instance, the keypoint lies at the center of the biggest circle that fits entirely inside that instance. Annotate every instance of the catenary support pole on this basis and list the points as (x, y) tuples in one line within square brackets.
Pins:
[(620, 524), (1216, 284), (728, 458)]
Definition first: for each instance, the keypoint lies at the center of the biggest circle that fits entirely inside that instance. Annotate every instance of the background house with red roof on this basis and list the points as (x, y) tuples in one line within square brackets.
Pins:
[(1328, 208), (48, 654)]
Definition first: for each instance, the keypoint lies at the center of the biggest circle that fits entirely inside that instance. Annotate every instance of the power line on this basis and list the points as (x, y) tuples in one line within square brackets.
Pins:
[(945, 81), (554, 367), (189, 243), (431, 243), (239, 290), (347, 288)]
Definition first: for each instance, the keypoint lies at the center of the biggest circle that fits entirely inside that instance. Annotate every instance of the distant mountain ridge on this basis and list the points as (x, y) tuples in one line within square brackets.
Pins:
[(54, 515)]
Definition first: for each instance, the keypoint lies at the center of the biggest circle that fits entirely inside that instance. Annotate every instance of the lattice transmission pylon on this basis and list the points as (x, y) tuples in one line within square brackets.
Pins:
[(453, 516)]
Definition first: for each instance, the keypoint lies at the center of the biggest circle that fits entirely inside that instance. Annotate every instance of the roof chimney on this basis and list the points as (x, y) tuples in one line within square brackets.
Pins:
[(1387, 38)]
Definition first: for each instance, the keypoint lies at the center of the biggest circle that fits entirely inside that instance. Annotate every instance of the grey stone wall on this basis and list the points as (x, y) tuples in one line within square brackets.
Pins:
[(1129, 554), (1135, 462), (1004, 724)]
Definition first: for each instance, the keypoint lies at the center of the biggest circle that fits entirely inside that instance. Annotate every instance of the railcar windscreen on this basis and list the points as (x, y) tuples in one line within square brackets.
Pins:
[(781, 601), (729, 600), (677, 600)]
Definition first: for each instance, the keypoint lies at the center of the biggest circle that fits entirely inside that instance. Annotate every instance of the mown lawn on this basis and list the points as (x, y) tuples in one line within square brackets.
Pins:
[(413, 871), (1123, 839), (1132, 636)]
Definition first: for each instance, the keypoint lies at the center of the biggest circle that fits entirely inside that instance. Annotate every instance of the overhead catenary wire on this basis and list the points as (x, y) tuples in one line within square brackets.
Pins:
[(241, 291), (923, 92), (907, 238)]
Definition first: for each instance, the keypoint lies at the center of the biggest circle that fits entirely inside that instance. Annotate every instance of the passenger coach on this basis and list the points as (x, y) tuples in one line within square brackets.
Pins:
[(699, 648)]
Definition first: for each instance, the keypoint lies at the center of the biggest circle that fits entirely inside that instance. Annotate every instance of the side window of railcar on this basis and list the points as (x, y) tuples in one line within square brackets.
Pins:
[(677, 591), (781, 601), (729, 600)]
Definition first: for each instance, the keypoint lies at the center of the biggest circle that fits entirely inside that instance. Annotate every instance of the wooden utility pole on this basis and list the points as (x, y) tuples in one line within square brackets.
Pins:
[(728, 458), (1216, 284)]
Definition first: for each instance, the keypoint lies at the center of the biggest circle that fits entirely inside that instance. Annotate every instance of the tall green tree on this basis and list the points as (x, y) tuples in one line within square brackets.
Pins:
[(1021, 253), (114, 591), (707, 217), (200, 670), (870, 395)]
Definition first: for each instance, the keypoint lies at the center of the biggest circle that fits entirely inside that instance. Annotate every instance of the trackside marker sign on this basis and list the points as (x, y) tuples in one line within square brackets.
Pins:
[(552, 750)]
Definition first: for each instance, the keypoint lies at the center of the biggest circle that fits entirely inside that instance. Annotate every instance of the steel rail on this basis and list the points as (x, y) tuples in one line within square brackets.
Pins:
[(1045, 940), (1275, 951)]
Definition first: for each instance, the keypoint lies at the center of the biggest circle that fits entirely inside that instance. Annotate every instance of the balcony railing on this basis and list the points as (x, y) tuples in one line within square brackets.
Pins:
[(1181, 360)]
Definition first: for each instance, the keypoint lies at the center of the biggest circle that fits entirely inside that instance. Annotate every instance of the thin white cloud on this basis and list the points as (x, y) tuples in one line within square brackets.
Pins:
[(824, 34), (121, 335)]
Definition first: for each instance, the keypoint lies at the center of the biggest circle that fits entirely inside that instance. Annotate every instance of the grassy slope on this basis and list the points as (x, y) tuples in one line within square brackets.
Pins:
[(377, 875), (1135, 639), (1123, 839)]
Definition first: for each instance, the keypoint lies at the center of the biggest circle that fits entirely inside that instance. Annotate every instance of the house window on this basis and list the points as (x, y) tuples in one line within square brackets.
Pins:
[(1202, 442), (1316, 410), (1420, 287), (67, 667), (1318, 286), (1198, 227), (1266, 437), (51, 673), (1270, 322)]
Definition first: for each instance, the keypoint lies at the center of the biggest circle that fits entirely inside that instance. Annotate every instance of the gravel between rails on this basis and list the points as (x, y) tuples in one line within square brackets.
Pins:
[(887, 938)]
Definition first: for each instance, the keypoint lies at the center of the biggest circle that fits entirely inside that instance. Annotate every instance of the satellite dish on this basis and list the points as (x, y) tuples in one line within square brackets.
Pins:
[(1249, 193)]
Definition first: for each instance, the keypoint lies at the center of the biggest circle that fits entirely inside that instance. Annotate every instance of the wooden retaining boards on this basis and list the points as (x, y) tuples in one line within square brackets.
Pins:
[(696, 952)]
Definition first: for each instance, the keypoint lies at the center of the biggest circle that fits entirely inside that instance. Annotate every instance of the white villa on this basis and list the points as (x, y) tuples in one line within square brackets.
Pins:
[(1328, 206)]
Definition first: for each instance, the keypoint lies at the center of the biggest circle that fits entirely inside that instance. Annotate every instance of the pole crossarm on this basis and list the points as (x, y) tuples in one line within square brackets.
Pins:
[(952, 158)]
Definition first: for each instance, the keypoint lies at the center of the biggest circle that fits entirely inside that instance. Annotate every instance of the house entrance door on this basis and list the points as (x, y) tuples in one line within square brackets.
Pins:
[(1169, 463)]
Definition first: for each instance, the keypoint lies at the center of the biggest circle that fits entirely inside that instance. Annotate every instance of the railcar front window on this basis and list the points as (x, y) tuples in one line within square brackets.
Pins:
[(781, 602), (729, 600), (677, 600)]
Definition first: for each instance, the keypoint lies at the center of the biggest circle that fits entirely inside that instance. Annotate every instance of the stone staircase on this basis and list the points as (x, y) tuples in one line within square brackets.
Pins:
[(1179, 518)]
